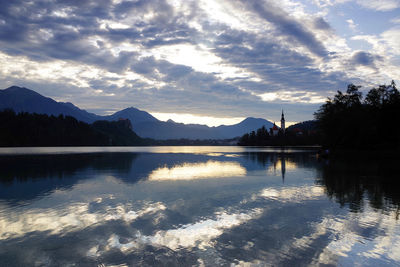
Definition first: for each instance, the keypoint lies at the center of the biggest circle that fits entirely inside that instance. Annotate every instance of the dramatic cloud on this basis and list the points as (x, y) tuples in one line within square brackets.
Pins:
[(210, 58), (363, 58), (321, 24), (287, 26)]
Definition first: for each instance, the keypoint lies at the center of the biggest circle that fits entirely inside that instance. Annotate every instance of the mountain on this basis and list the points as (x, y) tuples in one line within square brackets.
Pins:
[(171, 130), (145, 125), (119, 132), (23, 99), (27, 129), (133, 114), (245, 126), (304, 126)]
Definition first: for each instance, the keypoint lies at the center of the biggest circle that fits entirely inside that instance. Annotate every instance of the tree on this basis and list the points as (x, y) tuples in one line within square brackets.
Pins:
[(351, 122)]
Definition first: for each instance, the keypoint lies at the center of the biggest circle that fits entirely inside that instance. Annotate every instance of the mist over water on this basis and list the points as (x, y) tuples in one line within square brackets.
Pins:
[(184, 206)]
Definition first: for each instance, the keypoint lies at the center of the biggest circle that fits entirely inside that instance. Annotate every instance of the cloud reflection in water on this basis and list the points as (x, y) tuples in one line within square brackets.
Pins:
[(199, 234), (203, 233), (70, 218), (202, 170), (183, 213)]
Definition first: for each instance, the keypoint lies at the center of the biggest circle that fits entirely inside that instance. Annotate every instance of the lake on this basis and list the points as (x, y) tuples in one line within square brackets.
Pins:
[(196, 206)]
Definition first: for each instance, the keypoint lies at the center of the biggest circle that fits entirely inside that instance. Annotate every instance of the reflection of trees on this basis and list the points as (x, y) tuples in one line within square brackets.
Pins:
[(264, 159), (303, 159), (31, 167), (26, 177), (284, 159), (349, 182)]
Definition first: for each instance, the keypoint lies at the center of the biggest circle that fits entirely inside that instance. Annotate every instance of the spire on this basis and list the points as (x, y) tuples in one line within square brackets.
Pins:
[(283, 116)]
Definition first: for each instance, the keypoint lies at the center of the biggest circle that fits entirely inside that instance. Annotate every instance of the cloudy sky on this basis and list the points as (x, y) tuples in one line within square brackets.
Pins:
[(202, 61)]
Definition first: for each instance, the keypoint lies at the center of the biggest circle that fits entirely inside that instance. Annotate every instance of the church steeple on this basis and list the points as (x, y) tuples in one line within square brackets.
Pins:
[(283, 122)]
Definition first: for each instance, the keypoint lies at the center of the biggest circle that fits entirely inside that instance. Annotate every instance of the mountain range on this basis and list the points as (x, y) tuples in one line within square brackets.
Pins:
[(144, 124)]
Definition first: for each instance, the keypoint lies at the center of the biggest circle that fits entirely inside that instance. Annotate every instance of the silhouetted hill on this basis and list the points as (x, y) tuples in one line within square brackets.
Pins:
[(247, 125), (135, 115), (119, 132), (304, 126), (145, 125), (26, 129), (25, 100), (171, 130)]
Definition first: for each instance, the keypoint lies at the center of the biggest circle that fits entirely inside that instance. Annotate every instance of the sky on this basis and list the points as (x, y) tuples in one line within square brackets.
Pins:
[(204, 61)]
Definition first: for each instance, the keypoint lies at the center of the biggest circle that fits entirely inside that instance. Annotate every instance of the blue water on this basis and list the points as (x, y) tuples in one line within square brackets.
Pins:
[(201, 206)]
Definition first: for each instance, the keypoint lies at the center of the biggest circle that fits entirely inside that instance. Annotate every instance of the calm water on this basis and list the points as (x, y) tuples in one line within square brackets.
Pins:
[(201, 206)]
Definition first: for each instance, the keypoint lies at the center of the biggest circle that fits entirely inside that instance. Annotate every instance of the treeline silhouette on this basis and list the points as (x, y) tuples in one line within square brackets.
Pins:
[(119, 133), (349, 121), (25, 129), (301, 134)]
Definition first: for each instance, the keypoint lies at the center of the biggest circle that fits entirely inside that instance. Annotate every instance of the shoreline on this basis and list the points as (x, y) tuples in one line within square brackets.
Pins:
[(362, 153)]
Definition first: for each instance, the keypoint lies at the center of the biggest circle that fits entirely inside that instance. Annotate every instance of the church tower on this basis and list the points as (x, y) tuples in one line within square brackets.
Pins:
[(283, 122)]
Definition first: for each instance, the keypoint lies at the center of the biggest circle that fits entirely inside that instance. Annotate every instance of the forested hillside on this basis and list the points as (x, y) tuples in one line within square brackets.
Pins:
[(25, 129)]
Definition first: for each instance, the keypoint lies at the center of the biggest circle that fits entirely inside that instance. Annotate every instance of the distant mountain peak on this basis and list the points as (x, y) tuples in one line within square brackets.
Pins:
[(15, 88), (23, 99), (134, 115), (130, 108), (252, 119), (144, 124)]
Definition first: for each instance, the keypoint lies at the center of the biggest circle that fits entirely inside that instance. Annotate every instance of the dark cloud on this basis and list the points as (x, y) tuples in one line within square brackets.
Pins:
[(364, 59), (121, 35), (321, 24), (287, 26), (279, 67), (31, 29), (24, 31)]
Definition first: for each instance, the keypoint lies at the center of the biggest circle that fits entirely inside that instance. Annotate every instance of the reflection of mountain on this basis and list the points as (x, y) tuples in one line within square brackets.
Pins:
[(346, 181), (42, 174), (225, 221), (350, 181), (26, 177)]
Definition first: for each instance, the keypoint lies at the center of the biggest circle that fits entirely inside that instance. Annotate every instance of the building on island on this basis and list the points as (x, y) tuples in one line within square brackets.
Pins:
[(274, 130)]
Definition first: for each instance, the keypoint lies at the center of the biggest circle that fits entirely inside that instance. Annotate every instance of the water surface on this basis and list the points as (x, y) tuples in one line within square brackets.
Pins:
[(185, 206)]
